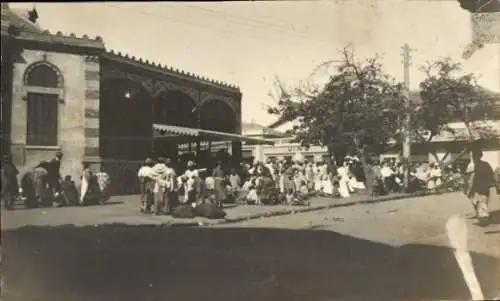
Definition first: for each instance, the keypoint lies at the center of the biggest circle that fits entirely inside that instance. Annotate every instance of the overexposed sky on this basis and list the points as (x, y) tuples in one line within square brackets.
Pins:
[(249, 43)]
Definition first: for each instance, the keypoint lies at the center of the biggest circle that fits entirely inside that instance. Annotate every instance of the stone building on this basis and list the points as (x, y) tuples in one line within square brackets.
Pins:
[(66, 93)]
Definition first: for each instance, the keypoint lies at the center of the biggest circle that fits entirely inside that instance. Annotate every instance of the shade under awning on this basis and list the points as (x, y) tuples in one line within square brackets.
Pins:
[(163, 130)]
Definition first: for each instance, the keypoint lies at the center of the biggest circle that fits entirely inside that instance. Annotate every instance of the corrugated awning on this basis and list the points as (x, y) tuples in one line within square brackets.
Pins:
[(163, 130)]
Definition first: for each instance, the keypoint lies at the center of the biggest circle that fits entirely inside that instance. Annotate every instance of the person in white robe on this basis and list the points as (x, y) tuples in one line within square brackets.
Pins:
[(309, 174), (328, 185), (318, 181), (355, 184), (343, 174), (85, 183), (188, 182), (435, 175), (251, 186)]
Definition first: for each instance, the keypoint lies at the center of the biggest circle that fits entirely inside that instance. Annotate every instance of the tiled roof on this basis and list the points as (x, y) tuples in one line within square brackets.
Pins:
[(170, 70), (67, 39), (33, 32)]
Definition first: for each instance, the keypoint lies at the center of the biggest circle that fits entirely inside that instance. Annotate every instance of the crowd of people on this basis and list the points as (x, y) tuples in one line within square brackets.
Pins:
[(166, 184), (44, 186)]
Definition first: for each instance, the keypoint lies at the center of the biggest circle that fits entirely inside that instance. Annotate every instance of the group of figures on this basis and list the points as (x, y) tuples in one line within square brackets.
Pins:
[(271, 182), (163, 189), (297, 179), (290, 181), (43, 185)]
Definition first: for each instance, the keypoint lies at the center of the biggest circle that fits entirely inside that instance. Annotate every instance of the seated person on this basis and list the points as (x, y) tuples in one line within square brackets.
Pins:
[(303, 188), (415, 183), (69, 191), (251, 188)]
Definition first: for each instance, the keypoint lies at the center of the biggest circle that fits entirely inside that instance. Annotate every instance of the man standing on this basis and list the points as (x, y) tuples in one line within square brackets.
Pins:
[(147, 183), (220, 187), (9, 182), (481, 180), (54, 176), (387, 177)]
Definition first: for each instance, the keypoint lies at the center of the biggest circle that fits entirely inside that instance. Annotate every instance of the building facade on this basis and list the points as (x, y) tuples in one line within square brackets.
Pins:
[(66, 93), (443, 146)]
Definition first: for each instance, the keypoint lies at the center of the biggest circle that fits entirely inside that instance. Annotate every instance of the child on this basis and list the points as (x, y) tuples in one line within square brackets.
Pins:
[(235, 181)]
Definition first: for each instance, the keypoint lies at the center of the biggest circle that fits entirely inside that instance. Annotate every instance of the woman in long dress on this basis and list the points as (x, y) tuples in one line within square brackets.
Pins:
[(281, 177), (343, 181), (90, 193), (318, 181), (289, 185), (266, 187), (328, 184), (219, 182)]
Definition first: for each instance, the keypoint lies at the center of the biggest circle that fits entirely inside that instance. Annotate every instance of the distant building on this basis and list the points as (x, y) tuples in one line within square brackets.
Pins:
[(283, 147), (251, 131), (441, 145)]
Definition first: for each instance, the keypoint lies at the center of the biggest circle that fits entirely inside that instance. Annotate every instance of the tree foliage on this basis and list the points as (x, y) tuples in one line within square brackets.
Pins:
[(358, 111), (448, 98), (480, 6)]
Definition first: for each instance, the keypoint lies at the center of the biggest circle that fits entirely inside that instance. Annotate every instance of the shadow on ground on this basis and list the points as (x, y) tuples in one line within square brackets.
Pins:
[(119, 262), (20, 206), (494, 218)]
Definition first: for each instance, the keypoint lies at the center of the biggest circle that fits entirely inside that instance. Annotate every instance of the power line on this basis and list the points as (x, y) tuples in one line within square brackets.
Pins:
[(204, 26), (251, 21)]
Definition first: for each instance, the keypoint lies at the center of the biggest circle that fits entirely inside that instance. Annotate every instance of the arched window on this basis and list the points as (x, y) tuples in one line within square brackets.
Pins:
[(43, 76), (43, 84)]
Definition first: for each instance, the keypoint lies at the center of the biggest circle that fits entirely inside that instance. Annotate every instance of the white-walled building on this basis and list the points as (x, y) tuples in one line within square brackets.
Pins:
[(443, 145)]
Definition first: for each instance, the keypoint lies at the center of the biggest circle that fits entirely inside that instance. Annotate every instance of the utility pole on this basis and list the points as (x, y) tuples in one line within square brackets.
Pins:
[(406, 128)]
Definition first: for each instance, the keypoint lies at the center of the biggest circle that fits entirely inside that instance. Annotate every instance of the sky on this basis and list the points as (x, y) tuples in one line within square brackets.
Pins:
[(251, 43)]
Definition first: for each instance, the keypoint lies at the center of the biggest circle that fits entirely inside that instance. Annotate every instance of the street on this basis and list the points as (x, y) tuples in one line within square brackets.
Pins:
[(396, 223), (394, 250)]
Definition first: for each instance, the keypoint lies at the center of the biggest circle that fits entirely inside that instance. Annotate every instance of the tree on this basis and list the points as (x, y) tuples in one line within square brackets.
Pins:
[(358, 111), (480, 6), (450, 99)]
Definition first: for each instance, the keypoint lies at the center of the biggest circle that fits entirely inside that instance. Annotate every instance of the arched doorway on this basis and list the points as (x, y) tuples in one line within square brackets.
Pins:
[(126, 114), (217, 115), (173, 108)]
